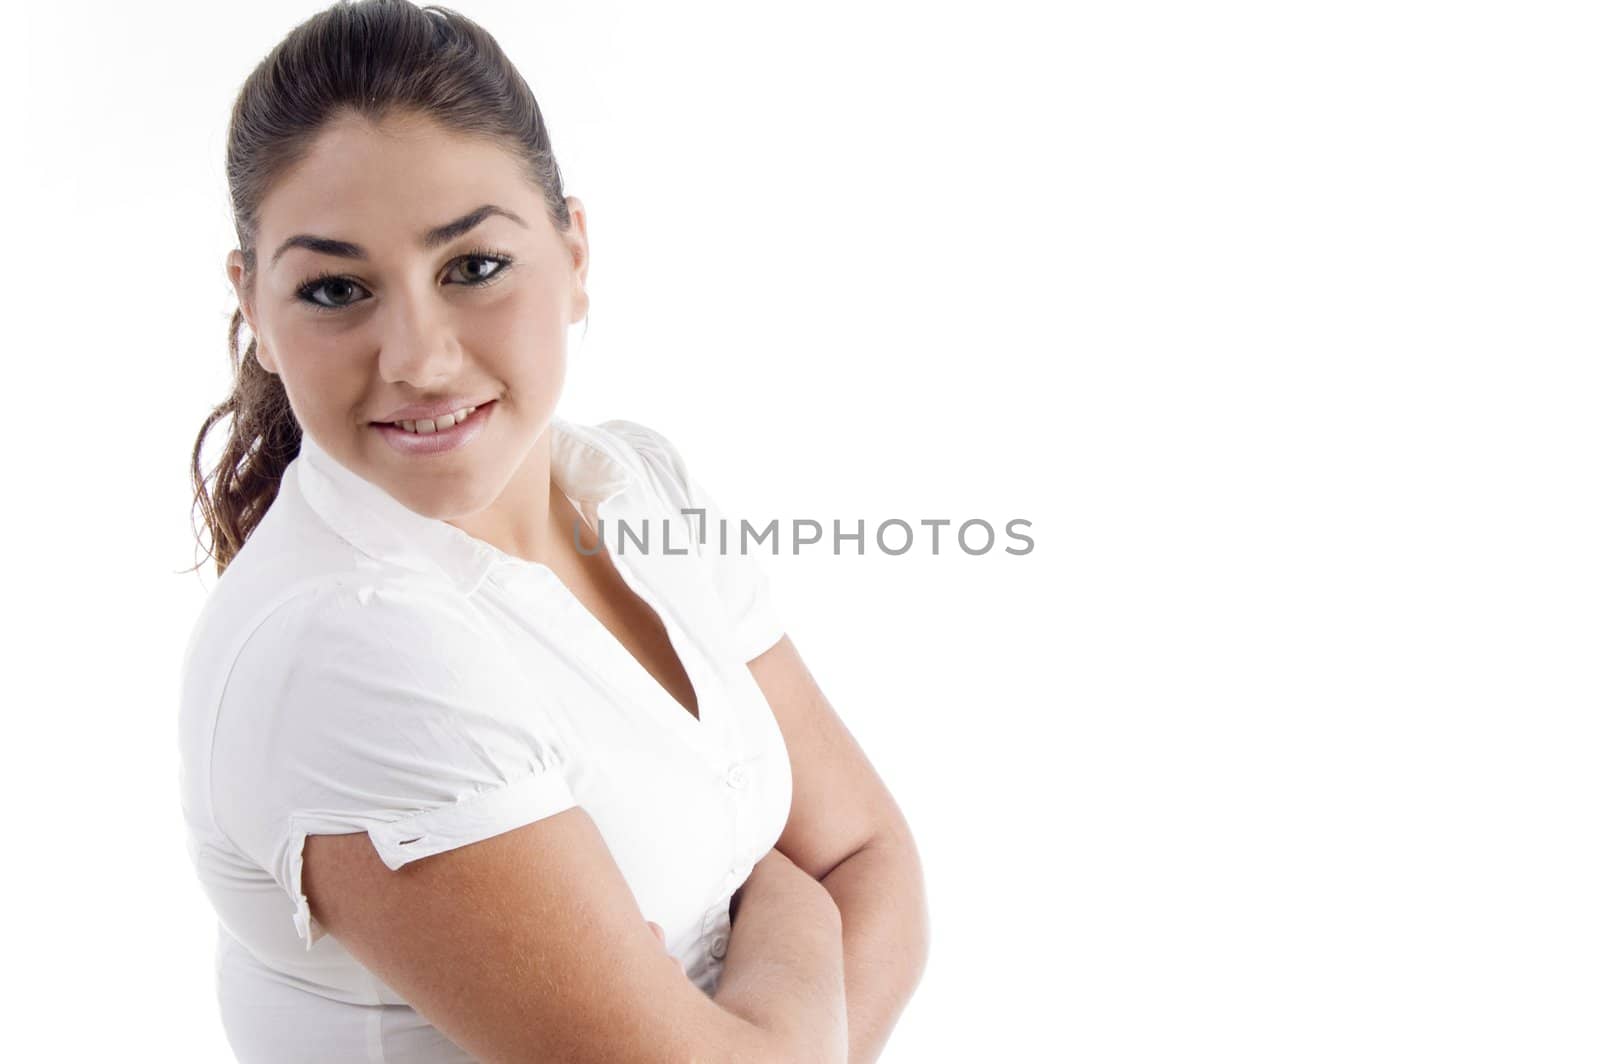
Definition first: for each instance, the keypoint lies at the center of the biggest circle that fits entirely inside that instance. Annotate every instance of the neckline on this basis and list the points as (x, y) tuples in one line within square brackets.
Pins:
[(612, 658)]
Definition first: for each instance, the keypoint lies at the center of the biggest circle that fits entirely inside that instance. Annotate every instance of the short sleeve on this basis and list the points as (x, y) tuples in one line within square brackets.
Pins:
[(390, 710), (740, 581)]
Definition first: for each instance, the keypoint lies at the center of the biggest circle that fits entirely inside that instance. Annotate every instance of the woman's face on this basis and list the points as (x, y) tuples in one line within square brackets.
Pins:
[(400, 321)]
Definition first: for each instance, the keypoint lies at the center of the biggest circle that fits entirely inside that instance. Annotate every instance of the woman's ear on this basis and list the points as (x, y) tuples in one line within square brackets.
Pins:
[(235, 269), (577, 239)]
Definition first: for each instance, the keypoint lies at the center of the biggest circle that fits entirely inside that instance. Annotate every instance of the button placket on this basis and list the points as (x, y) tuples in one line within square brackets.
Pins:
[(716, 927)]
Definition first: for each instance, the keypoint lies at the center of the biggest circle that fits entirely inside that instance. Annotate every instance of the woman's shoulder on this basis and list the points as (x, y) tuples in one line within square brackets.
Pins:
[(650, 452), (255, 628), (318, 612), (329, 654)]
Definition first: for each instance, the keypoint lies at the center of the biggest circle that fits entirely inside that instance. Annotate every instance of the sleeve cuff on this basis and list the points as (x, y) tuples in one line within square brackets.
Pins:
[(473, 818), (758, 629), (476, 817)]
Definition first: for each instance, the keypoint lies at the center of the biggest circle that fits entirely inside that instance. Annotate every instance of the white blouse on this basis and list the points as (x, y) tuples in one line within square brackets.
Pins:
[(361, 667)]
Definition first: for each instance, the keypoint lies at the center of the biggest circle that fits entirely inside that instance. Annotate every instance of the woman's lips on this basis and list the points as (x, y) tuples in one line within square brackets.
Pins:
[(439, 441)]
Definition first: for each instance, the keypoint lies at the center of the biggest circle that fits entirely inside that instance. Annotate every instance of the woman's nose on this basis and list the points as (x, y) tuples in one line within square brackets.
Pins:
[(419, 346)]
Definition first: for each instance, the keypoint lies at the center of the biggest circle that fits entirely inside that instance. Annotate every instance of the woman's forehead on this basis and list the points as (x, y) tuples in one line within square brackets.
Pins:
[(360, 189)]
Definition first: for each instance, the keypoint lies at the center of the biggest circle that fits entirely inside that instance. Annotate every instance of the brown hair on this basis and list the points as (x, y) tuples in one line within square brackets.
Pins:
[(370, 58)]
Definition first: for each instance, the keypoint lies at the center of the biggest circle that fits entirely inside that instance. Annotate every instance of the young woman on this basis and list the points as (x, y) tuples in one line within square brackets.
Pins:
[(453, 777)]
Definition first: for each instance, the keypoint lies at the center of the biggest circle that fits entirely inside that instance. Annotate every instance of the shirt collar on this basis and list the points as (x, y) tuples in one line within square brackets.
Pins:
[(583, 464)]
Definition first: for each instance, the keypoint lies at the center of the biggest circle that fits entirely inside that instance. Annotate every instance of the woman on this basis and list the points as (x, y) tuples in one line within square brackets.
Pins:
[(453, 776)]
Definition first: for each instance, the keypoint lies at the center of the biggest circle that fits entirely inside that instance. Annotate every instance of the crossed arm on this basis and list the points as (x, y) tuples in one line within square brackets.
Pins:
[(846, 831)]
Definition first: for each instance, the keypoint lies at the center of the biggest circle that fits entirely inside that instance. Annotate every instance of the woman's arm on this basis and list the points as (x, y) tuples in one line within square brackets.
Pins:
[(884, 914), (784, 970), (879, 894), (846, 831)]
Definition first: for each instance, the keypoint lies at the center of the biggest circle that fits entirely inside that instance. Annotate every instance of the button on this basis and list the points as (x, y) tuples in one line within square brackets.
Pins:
[(719, 946), (736, 777)]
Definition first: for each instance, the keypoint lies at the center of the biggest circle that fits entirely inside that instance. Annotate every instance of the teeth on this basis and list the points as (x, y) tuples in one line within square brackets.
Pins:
[(424, 426)]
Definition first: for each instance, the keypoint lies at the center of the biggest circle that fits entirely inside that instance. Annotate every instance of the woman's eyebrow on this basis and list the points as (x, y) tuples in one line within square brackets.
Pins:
[(431, 239)]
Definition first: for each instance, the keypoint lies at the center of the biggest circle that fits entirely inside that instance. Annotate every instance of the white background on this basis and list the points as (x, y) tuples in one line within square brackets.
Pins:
[(1277, 321)]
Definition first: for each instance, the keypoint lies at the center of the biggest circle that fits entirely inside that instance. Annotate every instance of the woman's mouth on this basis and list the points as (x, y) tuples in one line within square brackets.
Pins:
[(436, 435)]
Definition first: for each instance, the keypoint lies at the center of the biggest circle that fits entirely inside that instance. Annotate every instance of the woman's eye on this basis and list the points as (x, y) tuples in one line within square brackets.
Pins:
[(480, 275), (337, 287)]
